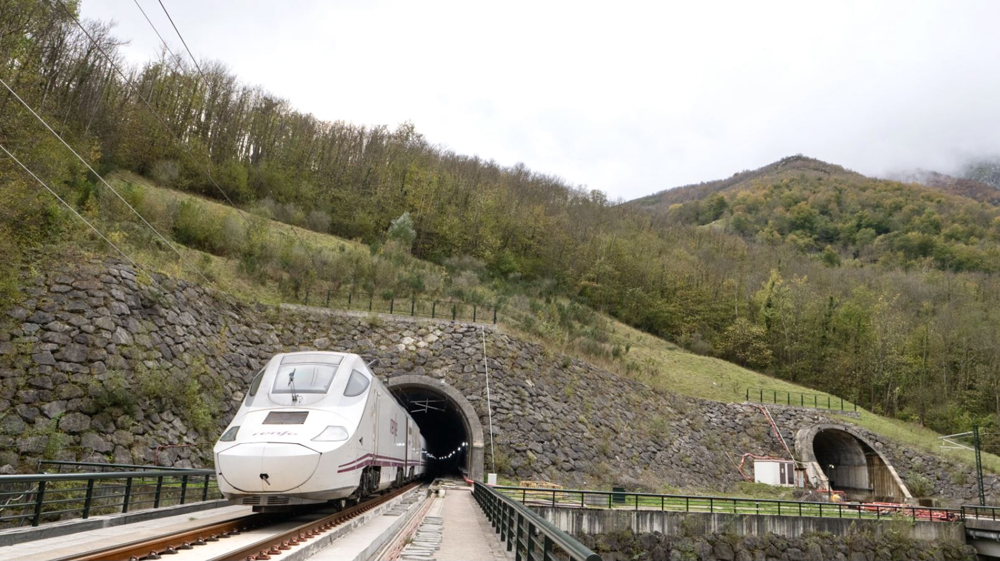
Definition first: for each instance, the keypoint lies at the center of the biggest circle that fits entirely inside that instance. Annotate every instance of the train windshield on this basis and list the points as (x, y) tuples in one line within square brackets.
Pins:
[(303, 378)]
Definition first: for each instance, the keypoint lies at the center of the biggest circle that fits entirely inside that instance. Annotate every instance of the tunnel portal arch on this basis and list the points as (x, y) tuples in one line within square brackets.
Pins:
[(411, 388), (838, 457)]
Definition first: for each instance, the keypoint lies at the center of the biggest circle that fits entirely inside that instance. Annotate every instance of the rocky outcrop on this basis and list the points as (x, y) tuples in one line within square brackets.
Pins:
[(98, 365), (891, 546)]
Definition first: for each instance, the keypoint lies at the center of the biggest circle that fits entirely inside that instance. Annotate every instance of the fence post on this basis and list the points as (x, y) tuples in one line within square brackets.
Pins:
[(802, 400), (454, 312), (827, 402), (494, 315), (184, 487), (128, 491), (392, 304), (88, 498), (788, 398), (748, 394), (434, 309), (39, 498), (413, 307), (350, 296), (159, 489), (774, 398), (370, 303), (328, 298), (841, 404), (204, 490), (762, 395)]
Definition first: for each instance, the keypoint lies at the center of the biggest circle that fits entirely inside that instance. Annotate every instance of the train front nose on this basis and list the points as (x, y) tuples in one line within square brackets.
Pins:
[(267, 467)]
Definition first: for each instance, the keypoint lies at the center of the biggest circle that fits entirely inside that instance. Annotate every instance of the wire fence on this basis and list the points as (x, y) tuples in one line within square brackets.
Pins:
[(799, 399), (453, 310)]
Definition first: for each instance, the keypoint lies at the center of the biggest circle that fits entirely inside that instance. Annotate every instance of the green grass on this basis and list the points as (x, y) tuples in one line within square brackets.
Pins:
[(664, 365), (641, 356)]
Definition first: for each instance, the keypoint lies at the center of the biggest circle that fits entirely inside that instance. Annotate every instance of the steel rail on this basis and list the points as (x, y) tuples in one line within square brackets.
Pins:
[(152, 548), (278, 544)]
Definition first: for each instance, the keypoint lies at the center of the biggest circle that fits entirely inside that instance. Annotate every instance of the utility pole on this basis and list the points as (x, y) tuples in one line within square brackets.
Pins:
[(979, 465)]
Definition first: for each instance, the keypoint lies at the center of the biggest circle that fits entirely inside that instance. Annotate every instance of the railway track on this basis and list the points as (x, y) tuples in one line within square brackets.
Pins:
[(266, 548)]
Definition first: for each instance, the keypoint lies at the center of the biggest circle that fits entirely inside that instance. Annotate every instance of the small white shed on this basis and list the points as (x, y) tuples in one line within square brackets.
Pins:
[(783, 473)]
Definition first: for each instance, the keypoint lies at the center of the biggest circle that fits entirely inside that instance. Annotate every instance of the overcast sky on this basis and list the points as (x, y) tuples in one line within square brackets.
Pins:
[(626, 97)]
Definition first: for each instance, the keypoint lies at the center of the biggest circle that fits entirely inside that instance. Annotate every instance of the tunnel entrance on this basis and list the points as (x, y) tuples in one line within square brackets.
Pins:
[(448, 422), (838, 458)]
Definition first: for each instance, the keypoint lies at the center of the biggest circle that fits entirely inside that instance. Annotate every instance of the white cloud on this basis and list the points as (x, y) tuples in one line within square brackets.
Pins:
[(627, 97)]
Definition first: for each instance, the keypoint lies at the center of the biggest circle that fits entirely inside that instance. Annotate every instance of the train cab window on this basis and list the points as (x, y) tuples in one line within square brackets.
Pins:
[(356, 385), (255, 385), (303, 378)]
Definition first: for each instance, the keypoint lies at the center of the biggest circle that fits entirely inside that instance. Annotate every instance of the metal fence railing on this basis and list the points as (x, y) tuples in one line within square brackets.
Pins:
[(59, 466), (981, 512), (48, 497), (414, 307), (799, 399), (569, 498), (528, 535)]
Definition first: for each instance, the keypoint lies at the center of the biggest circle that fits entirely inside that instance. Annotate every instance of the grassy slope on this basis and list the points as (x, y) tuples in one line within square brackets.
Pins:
[(665, 365)]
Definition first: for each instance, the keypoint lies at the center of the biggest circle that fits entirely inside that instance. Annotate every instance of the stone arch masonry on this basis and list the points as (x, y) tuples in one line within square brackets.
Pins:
[(473, 428), (87, 327)]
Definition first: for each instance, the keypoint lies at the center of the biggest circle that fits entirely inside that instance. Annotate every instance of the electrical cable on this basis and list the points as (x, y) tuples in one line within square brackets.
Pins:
[(137, 5), (178, 31), (132, 87), (78, 215), (106, 184), (201, 75)]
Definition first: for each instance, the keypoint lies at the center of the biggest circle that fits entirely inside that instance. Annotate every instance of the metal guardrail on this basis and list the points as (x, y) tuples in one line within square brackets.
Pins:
[(799, 399), (981, 512), (570, 498), (49, 497), (60, 465), (528, 535)]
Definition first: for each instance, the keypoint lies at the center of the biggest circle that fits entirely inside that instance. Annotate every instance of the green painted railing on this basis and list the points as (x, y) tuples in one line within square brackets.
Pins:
[(528, 535), (575, 498), (48, 497)]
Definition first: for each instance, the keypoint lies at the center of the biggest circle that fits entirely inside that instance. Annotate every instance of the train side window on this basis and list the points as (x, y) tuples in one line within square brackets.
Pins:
[(255, 385), (356, 385)]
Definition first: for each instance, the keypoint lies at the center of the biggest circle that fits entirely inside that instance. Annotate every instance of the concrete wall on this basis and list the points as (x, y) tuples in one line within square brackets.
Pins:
[(601, 521)]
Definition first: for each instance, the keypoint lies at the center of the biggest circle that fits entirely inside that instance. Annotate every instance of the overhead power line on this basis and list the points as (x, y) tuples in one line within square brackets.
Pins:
[(78, 215), (133, 88), (137, 5), (260, 178), (106, 184), (178, 31)]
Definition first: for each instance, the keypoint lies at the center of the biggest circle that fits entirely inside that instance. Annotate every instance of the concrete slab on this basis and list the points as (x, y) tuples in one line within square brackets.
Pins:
[(61, 546), (53, 529), (466, 533)]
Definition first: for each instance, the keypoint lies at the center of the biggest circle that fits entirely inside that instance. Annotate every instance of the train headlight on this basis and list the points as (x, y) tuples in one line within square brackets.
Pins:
[(332, 434), (229, 435)]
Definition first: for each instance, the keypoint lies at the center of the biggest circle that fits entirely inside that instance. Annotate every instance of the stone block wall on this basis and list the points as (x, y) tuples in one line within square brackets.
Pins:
[(95, 365)]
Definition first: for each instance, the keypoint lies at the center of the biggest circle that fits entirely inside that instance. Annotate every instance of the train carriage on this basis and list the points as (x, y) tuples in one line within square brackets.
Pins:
[(315, 427)]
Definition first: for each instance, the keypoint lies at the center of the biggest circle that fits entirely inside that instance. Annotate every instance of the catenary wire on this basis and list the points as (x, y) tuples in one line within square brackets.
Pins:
[(78, 215), (132, 87), (178, 31), (106, 184), (174, 56)]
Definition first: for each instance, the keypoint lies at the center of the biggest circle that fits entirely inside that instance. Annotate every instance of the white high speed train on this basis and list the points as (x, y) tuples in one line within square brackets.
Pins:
[(315, 427)]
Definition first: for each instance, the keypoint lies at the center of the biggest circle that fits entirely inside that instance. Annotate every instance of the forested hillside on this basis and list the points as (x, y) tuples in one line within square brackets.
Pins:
[(877, 291)]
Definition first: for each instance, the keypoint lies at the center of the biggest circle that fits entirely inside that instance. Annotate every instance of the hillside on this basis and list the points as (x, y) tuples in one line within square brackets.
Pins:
[(962, 186), (878, 292)]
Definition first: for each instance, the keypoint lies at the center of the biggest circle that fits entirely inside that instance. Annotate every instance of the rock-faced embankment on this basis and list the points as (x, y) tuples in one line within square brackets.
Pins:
[(96, 365)]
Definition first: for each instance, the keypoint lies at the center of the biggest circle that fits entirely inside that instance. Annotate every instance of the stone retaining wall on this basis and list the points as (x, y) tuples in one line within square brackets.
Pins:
[(95, 365)]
